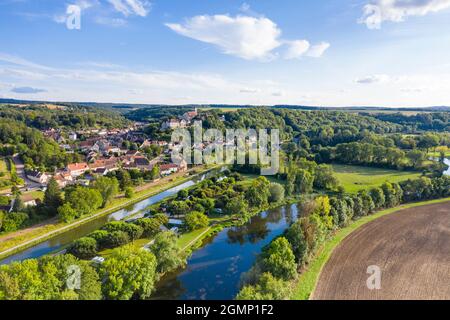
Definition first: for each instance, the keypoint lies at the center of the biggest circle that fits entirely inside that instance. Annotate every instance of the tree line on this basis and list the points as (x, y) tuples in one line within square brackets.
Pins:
[(287, 255)]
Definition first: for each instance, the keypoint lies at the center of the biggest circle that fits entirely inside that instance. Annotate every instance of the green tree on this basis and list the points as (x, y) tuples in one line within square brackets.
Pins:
[(18, 204), (267, 288), (276, 191), (196, 220), (46, 279), (108, 188), (324, 178), (66, 213), (84, 200), (128, 273), (296, 235), (378, 197), (52, 197), (279, 260), (304, 181), (236, 205), (83, 248), (129, 192), (258, 193), (167, 253)]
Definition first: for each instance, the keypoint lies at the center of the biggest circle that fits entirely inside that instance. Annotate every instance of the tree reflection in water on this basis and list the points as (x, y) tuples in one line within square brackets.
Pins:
[(257, 229)]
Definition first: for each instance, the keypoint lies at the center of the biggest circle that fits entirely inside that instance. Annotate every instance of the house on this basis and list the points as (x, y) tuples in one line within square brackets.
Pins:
[(142, 163), (73, 136), (174, 124), (77, 169), (63, 178), (37, 176), (188, 116), (167, 169)]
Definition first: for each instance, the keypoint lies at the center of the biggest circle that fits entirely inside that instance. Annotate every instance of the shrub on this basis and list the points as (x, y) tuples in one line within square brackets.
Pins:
[(279, 260), (276, 192), (150, 226), (116, 239), (267, 288), (14, 221), (84, 248), (134, 232), (196, 220), (129, 192)]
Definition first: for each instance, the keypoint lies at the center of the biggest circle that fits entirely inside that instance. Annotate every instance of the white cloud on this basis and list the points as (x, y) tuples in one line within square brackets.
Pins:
[(316, 51), (296, 49), (242, 36), (246, 37), (378, 11), (131, 7), (378, 78)]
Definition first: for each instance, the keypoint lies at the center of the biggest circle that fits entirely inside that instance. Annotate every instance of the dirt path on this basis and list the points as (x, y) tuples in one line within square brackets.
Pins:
[(411, 248)]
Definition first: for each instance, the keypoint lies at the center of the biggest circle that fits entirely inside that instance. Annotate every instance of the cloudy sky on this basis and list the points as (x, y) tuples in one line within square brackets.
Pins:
[(328, 52)]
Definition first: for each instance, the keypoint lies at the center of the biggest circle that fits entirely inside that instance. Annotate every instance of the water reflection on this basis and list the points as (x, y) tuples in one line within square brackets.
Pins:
[(214, 271)]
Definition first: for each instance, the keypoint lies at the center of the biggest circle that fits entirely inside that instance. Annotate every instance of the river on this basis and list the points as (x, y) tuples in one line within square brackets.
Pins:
[(214, 271), (59, 241)]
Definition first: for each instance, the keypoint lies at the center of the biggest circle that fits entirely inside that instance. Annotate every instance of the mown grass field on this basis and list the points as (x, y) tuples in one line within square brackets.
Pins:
[(356, 178)]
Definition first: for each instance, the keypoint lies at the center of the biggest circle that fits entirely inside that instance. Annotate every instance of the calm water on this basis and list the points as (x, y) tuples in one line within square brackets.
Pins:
[(66, 238), (214, 271)]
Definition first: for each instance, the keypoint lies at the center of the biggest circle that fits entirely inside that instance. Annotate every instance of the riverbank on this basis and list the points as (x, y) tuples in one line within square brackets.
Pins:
[(46, 232), (305, 285)]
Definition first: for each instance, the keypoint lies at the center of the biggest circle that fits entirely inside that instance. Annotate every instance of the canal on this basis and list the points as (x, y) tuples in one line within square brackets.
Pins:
[(59, 241)]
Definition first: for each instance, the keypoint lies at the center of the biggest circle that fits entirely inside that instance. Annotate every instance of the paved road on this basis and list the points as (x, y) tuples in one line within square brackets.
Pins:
[(20, 169), (411, 248)]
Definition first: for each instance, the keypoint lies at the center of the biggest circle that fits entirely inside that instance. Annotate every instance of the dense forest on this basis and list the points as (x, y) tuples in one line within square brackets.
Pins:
[(74, 117)]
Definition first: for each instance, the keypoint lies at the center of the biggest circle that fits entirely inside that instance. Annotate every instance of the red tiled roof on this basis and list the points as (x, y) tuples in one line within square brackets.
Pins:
[(78, 166)]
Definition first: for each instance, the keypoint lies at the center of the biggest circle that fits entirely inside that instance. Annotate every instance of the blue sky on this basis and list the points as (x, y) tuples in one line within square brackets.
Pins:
[(329, 52)]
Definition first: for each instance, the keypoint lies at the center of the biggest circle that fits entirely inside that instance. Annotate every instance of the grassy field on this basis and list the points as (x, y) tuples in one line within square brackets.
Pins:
[(306, 282), (355, 178)]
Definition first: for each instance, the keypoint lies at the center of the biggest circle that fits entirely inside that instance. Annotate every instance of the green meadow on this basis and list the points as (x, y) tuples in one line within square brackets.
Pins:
[(356, 178)]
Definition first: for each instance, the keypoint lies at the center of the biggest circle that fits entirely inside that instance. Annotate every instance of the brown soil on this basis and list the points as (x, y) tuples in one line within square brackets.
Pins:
[(411, 248)]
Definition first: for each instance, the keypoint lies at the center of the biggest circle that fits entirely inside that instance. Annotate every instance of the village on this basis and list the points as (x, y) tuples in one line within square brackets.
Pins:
[(106, 151)]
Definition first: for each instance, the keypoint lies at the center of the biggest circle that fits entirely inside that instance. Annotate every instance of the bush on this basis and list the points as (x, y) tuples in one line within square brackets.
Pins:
[(279, 260), (14, 221), (150, 226), (133, 231), (276, 192), (129, 192), (196, 220), (4, 201), (99, 236), (67, 213), (84, 248), (267, 288), (116, 239), (167, 253)]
